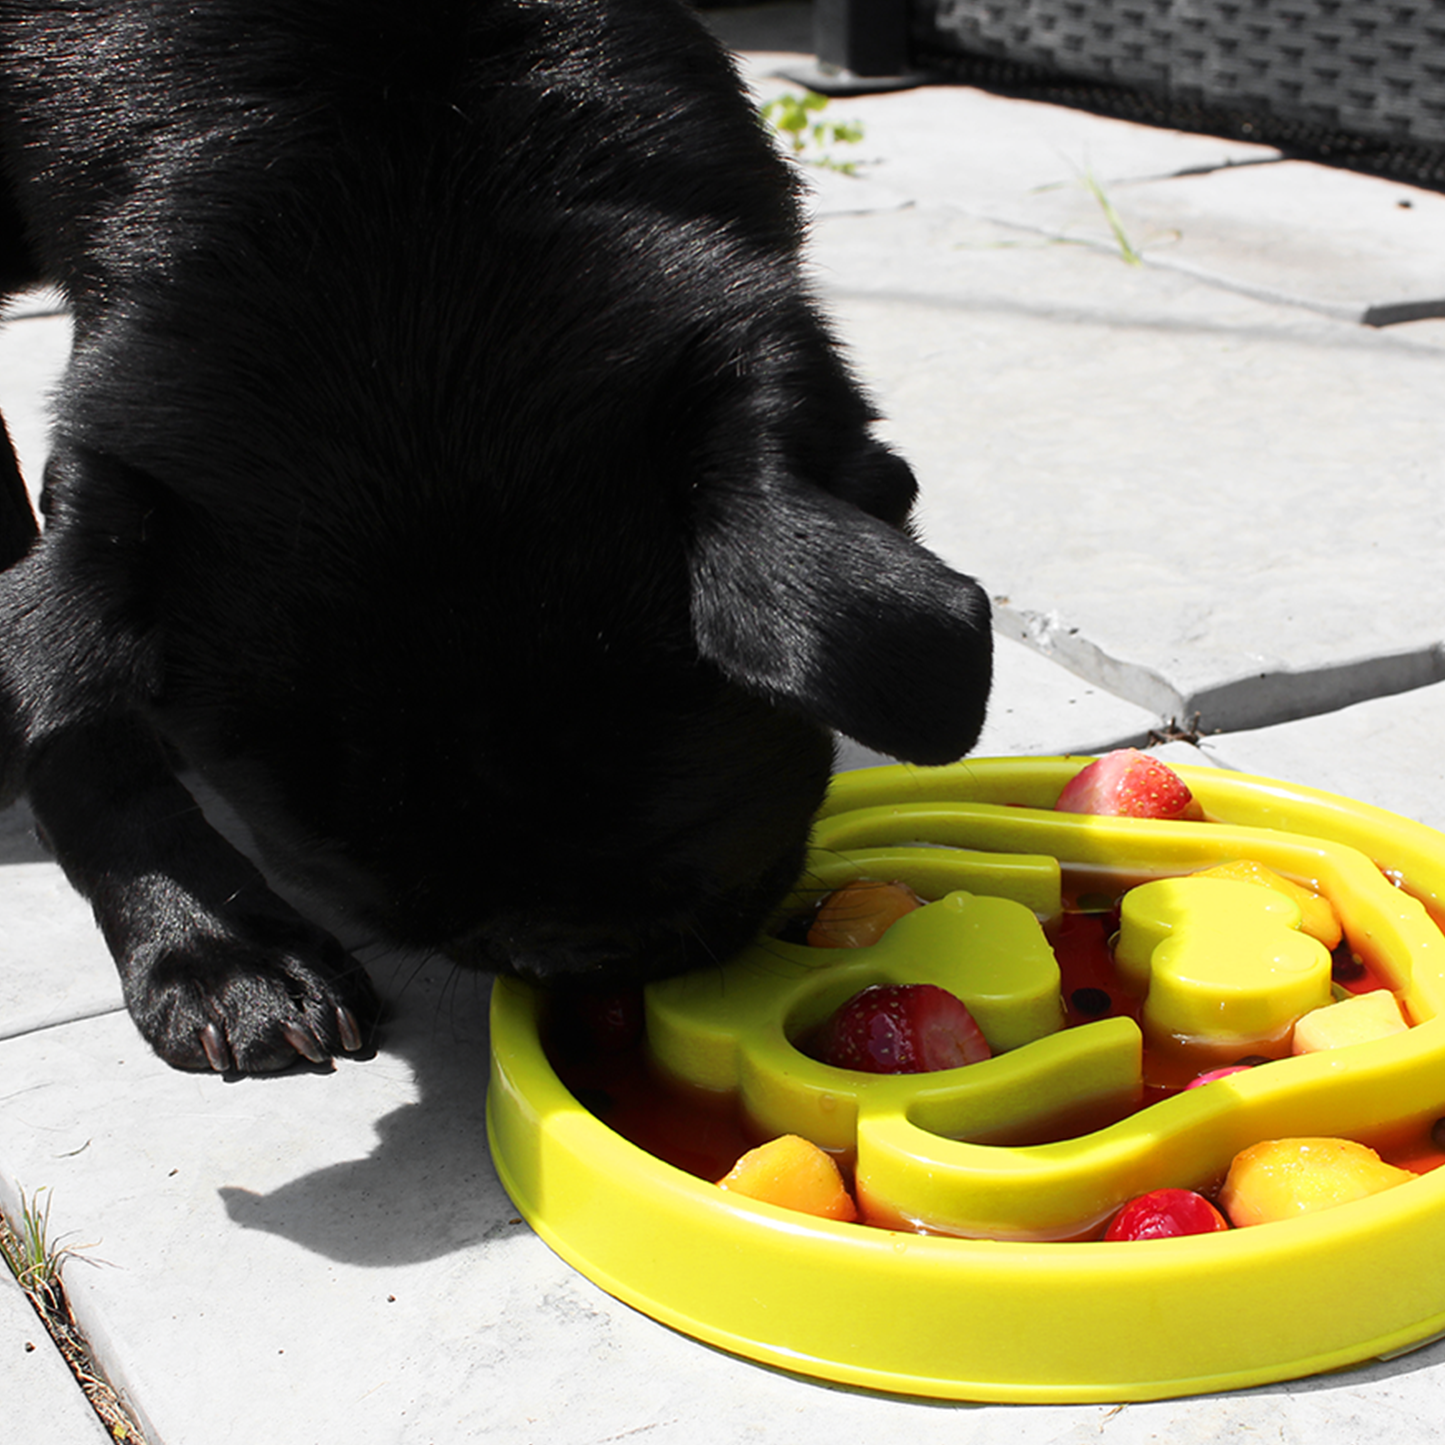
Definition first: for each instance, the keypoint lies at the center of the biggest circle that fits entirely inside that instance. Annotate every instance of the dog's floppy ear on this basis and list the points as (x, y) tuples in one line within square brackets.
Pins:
[(814, 603)]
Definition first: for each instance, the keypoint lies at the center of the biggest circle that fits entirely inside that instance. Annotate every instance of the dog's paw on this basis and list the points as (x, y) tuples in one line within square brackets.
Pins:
[(251, 1002)]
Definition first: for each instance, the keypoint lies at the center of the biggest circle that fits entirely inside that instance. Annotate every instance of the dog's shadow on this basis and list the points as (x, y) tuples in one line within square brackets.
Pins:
[(427, 1188)]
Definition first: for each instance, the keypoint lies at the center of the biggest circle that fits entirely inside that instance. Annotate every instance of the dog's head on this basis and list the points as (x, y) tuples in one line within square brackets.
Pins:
[(600, 761)]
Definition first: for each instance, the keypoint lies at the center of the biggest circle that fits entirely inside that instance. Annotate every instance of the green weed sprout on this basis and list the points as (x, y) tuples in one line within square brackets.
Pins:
[(1112, 217), (34, 1258), (811, 139)]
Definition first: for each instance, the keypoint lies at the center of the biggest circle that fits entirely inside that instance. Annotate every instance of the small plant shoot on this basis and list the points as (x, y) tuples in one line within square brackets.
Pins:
[(795, 117)]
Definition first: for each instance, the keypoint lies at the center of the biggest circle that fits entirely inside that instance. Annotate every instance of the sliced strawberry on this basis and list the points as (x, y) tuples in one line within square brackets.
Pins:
[(907, 1028), (1166, 1214), (1130, 784)]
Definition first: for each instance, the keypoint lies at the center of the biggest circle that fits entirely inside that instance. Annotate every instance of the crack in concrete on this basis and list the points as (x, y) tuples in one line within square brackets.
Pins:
[(1185, 172), (1374, 314)]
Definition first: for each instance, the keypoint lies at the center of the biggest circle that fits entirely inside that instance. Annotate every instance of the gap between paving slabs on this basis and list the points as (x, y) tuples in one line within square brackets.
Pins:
[(1363, 313), (1376, 315), (37, 1263), (1273, 696)]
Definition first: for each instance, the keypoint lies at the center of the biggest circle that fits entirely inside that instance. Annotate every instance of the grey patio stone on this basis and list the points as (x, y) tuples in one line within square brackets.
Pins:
[(1199, 501), (43, 1403), (1389, 752)]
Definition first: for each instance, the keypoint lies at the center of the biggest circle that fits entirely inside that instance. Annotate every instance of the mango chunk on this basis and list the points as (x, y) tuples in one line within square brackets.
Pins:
[(1357, 1020), (1317, 914), (1283, 1178), (859, 913), (794, 1174)]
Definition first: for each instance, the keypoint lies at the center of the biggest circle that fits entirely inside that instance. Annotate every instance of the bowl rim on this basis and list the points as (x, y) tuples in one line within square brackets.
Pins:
[(985, 1319)]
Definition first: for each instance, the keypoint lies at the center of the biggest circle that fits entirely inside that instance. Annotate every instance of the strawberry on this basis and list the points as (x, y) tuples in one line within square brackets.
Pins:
[(1211, 1075), (1165, 1214), (602, 1022), (906, 1028), (1131, 784)]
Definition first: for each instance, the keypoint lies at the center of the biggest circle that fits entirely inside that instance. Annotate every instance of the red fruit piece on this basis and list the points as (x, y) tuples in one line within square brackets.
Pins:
[(905, 1028), (1208, 1078), (1130, 784), (605, 1022), (1166, 1214)]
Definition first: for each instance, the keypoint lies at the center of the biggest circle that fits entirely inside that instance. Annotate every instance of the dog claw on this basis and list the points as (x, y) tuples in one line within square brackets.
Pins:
[(304, 1044), (349, 1029), (214, 1044)]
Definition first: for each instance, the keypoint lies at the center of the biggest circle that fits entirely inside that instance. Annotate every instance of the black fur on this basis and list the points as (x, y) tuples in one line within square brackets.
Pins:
[(454, 470)]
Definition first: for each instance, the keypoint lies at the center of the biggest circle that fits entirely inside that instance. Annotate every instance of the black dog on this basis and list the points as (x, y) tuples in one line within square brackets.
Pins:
[(453, 469)]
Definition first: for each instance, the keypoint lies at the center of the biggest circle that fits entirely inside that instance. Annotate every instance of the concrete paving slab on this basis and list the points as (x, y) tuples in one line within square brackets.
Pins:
[(957, 145), (43, 1403), (1040, 708), (990, 155), (1353, 246), (1000, 158), (1387, 752), (54, 966), (34, 349), (1200, 501)]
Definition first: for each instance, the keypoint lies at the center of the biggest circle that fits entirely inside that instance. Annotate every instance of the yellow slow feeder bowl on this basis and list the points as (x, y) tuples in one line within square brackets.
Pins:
[(1018, 1315)]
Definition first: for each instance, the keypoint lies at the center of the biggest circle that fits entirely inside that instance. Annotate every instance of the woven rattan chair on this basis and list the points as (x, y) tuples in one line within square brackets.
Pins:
[(1372, 68)]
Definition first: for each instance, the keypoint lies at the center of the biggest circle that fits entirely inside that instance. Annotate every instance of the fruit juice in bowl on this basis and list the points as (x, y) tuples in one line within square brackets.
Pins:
[(985, 1190)]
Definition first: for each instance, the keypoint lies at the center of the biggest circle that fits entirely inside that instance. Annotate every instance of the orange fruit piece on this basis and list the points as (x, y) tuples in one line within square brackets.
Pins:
[(1317, 914), (795, 1174), (860, 913), (1283, 1178)]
